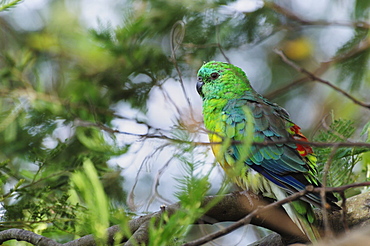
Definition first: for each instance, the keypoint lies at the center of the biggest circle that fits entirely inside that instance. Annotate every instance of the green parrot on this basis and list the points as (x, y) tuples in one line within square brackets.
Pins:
[(235, 115)]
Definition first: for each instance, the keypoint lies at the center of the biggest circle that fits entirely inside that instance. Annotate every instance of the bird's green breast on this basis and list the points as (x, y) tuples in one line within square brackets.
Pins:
[(212, 111), (215, 123)]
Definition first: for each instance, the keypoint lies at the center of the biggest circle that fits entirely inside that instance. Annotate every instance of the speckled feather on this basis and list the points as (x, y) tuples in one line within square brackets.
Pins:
[(225, 90)]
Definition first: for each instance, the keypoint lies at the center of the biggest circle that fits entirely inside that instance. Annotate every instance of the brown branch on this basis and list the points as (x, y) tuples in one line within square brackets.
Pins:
[(246, 220), (27, 236), (289, 14), (261, 212), (175, 140), (324, 66), (313, 77), (266, 143), (256, 211), (238, 206)]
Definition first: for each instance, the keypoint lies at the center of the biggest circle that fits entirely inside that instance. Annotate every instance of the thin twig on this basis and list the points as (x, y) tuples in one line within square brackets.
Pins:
[(324, 66), (131, 196), (313, 77), (6, 195), (155, 193), (266, 143), (289, 14), (176, 37), (169, 98), (327, 228), (161, 136), (135, 224), (247, 219)]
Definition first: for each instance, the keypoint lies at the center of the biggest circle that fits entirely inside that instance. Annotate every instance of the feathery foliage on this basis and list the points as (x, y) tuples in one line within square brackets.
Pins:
[(359, 61), (344, 160), (8, 4), (95, 219)]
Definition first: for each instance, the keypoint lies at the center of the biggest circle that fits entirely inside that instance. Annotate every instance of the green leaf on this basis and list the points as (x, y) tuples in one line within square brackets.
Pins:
[(7, 5), (366, 130), (89, 190), (362, 9)]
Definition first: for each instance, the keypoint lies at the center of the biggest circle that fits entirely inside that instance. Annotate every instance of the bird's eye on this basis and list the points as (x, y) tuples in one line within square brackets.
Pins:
[(200, 79), (214, 76)]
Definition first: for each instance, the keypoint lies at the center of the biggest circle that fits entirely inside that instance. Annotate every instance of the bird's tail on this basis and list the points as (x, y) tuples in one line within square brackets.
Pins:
[(301, 213), (303, 216)]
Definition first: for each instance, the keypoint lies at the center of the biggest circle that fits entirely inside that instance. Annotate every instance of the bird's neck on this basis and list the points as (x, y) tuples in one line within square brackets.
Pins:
[(212, 111)]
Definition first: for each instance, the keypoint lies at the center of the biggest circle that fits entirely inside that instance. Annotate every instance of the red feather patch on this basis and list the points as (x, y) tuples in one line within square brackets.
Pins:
[(297, 135)]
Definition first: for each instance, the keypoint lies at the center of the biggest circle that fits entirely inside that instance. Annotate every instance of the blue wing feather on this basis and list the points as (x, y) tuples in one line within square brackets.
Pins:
[(280, 163)]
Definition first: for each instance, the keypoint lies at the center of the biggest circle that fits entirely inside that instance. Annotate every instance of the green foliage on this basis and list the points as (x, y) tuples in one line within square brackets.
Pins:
[(192, 187), (252, 27), (344, 160), (7, 4), (362, 9), (88, 190), (355, 68)]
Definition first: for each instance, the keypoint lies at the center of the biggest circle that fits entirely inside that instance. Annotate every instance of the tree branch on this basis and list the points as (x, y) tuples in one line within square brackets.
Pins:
[(175, 140), (242, 207), (27, 236), (289, 14), (324, 66), (313, 77)]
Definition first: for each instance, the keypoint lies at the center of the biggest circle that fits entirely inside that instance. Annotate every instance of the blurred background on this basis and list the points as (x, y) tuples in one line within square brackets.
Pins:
[(112, 83)]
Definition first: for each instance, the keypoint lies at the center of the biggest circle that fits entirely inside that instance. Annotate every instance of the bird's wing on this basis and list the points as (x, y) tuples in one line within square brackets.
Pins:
[(280, 162)]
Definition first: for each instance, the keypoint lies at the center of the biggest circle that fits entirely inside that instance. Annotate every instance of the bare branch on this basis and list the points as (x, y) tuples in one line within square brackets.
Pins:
[(27, 236), (289, 14), (176, 38), (247, 219), (324, 66), (313, 77)]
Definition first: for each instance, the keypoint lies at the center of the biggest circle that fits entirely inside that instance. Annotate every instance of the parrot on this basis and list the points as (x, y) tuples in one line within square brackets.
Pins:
[(235, 117)]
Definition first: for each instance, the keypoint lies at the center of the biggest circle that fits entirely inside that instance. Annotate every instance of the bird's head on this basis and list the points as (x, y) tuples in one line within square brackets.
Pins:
[(221, 80)]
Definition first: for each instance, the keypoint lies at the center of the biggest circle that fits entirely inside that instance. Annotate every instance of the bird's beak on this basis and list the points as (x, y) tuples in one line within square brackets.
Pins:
[(199, 88)]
